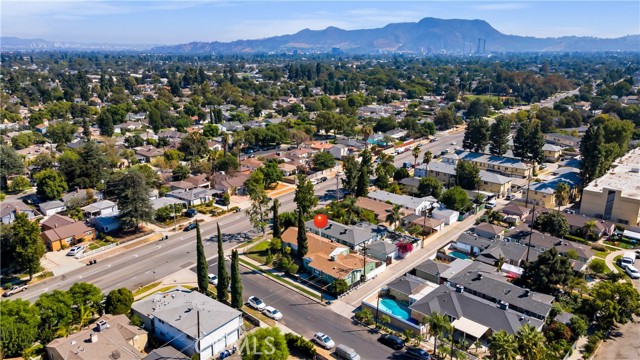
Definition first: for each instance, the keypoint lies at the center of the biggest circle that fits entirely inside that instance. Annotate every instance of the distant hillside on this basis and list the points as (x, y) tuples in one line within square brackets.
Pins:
[(429, 35)]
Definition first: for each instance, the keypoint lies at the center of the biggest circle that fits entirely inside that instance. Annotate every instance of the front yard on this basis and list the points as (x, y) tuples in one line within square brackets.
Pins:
[(258, 252)]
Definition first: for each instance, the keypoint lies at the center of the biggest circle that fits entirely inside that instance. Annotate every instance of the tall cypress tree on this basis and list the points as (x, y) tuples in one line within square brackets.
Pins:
[(236, 282), (303, 247), (201, 263), (499, 137), (223, 276), (535, 142), (591, 148), (276, 219)]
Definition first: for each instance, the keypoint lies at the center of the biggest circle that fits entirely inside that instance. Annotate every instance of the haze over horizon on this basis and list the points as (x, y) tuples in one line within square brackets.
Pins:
[(178, 21)]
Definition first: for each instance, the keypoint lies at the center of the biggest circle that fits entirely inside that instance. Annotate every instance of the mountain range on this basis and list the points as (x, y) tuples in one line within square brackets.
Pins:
[(427, 36)]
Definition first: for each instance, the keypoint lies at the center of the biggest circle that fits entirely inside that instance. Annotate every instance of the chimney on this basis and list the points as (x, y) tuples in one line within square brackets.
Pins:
[(503, 305), (459, 288), (94, 338)]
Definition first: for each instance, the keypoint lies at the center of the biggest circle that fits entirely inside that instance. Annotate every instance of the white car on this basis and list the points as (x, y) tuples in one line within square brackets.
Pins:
[(76, 250), (324, 340), (453, 143), (213, 279), (256, 303), (491, 204), (272, 313), (632, 272)]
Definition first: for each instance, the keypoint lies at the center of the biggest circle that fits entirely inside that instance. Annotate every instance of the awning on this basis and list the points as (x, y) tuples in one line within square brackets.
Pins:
[(470, 327), (631, 234)]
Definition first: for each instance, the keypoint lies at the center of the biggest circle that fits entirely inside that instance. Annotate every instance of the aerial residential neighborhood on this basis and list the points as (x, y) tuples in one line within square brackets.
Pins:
[(319, 195)]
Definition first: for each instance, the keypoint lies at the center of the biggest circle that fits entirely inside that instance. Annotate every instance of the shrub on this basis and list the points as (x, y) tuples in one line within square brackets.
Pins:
[(577, 239), (300, 345), (364, 316), (598, 247)]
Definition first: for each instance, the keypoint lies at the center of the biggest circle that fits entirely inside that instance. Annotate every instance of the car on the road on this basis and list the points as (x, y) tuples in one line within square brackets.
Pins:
[(632, 272), (453, 143), (213, 279), (272, 312), (190, 227), (323, 179), (434, 140), (491, 204), (346, 353), (191, 213), (256, 303), (15, 289), (76, 250), (340, 173), (510, 197), (391, 341), (417, 353), (324, 340)]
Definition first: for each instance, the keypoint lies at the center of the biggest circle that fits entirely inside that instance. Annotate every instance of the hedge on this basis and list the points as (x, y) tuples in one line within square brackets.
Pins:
[(300, 345)]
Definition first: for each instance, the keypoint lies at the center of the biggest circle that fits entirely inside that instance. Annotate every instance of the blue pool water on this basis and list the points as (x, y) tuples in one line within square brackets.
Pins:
[(459, 255), (398, 310)]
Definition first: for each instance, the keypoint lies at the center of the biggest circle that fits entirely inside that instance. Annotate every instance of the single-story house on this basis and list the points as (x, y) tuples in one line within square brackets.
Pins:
[(489, 231), (439, 272), (229, 184), (287, 169), (414, 204), (381, 209), (199, 181), (577, 225), (106, 224), (514, 213), (100, 208), (9, 210), (383, 251), (55, 221), (354, 237), (167, 201), (427, 224), (67, 235), (110, 337), (410, 184), (447, 216), (404, 287), (52, 207), (149, 153), (81, 196), (194, 196), (181, 185), (338, 151), (186, 318)]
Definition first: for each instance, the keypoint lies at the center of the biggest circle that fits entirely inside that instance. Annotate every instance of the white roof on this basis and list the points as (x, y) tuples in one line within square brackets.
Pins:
[(631, 234), (469, 327)]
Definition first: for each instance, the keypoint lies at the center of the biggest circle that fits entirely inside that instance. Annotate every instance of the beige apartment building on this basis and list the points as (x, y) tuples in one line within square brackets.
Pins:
[(616, 195), (502, 165)]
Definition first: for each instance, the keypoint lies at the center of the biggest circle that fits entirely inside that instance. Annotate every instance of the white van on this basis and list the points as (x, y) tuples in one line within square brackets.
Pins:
[(628, 258), (346, 353)]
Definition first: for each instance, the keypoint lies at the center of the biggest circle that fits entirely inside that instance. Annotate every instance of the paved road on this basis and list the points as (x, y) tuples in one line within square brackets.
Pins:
[(549, 102), (444, 142), (157, 260)]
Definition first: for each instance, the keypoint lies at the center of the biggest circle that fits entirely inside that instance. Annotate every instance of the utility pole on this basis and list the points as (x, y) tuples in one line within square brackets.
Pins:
[(364, 260), (198, 334), (526, 201), (337, 187), (533, 218), (175, 221)]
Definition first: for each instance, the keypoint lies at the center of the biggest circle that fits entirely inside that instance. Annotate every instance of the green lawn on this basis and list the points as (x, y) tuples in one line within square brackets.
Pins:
[(606, 268), (258, 252), (601, 254), (620, 244), (145, 288)]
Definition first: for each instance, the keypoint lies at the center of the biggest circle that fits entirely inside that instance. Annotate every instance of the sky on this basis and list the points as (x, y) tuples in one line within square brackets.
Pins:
[(181, 21)]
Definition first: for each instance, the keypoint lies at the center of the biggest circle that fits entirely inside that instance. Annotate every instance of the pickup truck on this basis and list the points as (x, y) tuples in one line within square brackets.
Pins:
[(15, 289)]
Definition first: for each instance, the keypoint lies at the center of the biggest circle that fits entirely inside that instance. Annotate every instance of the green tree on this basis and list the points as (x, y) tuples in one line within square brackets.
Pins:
[(445, 119), (86, 294), (263, 344), (535, 143), (180, 172), (477, 109), (236, 282), (499, 136), (226, 200), (561, 194), (430, 186), (202, 268), (227, 163), (118, 301), (553, 223), (415, 152), (61, 132), (55, 314), (133, 201), (548, 271), (20, 183), (476, 135), (276, 219), (520, 141), (362, 184), (592, 150), (259, 211), (394, 216), (50, 184), (323, 161), (503, 346), (194, 146), (272, 174), (530, 343), (351, 171), (19, 321), (11, 164), (439, 324), (467, 175), (455, 198), (29, 248), (304, 198), (22, 140), (303, 246), (400, 174), (105, 123), (223, 277), (340, 286), (578, 326), (614, 302), (428, 156)]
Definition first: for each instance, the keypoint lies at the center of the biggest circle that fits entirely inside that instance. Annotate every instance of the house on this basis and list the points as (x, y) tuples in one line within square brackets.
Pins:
[(413, 204), (489, 231), (55, 221), (9, 210), (514, 213), (111, 337), (601, 227), (489, 181), (499, 164), (410, 184), (396, 133), (354, 237), (287, 169), (470, 315), (471, 244), (100, 208), (105, 224), (194, 196), (542, 193), (328, 260), (81, 197), (149, 153), (52, 207), (562, 140), (338, 151), (166, 353), (181, 185), (516, 254), (232, 185), (406, 287), (381, 209), (383, 251), (552, 153), (231, 126), (67, 235), (42, 128), (425, 223), (167, 201), (484, 281), (199, 181), (251, 163), (190, 321), (438, 272), (447, 216)]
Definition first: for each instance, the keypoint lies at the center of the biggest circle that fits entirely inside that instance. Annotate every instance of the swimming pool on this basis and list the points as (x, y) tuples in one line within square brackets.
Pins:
[(459, 255), (398, 310)]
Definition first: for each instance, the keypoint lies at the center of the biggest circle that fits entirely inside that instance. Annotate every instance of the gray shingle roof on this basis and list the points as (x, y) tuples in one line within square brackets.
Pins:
[(352, 235), (408, 284)]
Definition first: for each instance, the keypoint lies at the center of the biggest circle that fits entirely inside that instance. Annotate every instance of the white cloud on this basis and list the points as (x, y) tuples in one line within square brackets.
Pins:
[(501, 6)]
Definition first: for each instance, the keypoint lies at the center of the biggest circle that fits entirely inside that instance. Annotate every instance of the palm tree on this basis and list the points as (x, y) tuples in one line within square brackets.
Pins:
[(428, 155), (476, 345), (588, 229), (367, 131), (225, 142), (530, 343), (394, 216), (438, 325), (561, 194), (501, 260), (416, 153), (503, 346)]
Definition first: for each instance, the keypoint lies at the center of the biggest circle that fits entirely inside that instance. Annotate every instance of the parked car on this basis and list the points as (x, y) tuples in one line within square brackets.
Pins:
[(391, 341), (346, 353), (213, 279), (324, 340), (511, 197), (491, 204), (190, 227), (418, 353), (632, 272), (76, 250), (15, 289), (340, 173), (191, 213), (256, 303), (323, 179), (272, 312), (453, 143)]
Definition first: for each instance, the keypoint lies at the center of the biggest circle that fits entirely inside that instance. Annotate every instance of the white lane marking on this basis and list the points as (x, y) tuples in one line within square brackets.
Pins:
[(135, 256)]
